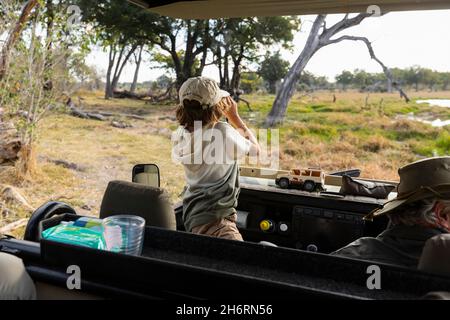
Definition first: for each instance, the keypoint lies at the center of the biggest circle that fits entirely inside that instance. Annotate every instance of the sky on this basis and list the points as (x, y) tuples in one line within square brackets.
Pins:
[(400, 39)]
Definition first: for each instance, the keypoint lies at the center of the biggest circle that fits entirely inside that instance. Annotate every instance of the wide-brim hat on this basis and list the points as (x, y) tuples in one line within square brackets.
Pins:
[(427, 178)]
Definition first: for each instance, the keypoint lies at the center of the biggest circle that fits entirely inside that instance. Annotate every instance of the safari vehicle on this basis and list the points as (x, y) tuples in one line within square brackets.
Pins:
[(176, 264), (307, 179)]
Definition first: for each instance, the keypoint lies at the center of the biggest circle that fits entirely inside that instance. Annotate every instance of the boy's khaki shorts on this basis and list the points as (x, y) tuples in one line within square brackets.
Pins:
[(224, 228)]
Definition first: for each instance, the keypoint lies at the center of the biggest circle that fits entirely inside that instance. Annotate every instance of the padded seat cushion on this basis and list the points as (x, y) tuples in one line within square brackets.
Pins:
[(15, 283), (152, 204)]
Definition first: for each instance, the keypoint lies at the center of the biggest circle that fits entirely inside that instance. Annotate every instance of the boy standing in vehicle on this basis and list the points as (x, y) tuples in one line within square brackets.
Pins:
[(209, 150)]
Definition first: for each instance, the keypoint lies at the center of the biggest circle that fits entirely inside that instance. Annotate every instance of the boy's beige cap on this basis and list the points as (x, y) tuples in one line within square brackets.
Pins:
[(202, 89)]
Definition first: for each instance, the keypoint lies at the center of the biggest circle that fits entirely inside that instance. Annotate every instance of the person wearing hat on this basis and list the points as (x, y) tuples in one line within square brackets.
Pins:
[(420, 211), (209, 150)]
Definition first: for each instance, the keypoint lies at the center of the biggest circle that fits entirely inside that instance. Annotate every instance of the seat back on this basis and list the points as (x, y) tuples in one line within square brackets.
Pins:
[(150, 203), (435, 256)]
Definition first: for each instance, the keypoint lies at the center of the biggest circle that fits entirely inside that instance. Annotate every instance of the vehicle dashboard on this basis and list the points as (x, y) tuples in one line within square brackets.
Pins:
[(297, 219)]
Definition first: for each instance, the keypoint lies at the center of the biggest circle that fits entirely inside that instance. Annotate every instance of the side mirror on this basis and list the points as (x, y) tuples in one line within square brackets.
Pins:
[(147, 174)]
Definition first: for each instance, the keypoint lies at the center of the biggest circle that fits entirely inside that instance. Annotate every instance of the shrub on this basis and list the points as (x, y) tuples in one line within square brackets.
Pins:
[(376, 144)]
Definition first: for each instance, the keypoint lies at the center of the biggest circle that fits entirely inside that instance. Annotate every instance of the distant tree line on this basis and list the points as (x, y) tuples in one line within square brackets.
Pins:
[(273, 70), (415, 78)]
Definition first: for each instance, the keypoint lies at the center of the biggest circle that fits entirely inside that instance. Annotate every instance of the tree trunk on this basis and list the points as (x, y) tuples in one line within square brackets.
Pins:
[(186, 69), (136, 72), (76, 112), (111, 84), (13, 36), (199, 70), (204, 50), (226, 72), (389, 84), (219, 66), (276, 114), (115, 79), (48, 81), (236, 77), (108, 91), (112, 59)]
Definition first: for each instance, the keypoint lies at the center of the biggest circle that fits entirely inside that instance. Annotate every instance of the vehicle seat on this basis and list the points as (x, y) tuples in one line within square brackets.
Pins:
[(150, 203), (15, 283), (435, 256)]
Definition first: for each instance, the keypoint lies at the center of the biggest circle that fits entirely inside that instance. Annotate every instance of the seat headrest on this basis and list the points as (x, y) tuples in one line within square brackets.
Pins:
[(435, 256), (152, 204)]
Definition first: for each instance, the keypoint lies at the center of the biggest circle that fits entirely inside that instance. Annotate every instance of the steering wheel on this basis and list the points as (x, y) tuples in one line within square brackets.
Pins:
[(46, 211)]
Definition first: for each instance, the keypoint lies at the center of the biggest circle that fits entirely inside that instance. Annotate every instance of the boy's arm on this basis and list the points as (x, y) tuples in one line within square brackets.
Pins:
[(231, 112)]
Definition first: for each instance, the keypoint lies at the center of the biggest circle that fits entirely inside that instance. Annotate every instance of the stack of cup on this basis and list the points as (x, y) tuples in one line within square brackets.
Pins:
[(124, 234)]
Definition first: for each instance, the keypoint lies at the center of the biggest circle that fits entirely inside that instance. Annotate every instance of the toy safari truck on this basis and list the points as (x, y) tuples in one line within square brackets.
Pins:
[(306, 179)]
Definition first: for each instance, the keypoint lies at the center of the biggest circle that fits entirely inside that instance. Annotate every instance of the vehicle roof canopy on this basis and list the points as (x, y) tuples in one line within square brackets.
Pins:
[(204, 9)]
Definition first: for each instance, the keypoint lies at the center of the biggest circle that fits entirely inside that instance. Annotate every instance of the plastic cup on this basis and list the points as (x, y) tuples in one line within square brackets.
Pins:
[(124, 234)]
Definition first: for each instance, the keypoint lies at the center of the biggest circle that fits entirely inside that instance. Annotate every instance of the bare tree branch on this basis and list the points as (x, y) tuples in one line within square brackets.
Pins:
[(386, 70), (345, 23)]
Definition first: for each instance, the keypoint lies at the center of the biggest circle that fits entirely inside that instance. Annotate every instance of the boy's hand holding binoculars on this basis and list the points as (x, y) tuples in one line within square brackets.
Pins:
[(230, 110)]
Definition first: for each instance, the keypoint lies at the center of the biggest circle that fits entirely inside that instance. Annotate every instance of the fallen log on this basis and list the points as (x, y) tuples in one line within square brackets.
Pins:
[(101, 116), (68, 165), (74, 111), (166, 95), (13, 226), (12, 195), (129, 95), (120, 124), (124, 115)]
